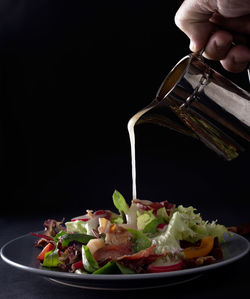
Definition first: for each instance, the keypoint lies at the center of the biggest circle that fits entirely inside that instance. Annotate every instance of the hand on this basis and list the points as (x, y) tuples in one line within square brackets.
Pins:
[(216, 25)]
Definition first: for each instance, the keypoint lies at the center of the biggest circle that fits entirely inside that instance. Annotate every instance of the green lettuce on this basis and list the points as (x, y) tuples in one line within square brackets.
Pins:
[(67, 238), (114, 268), (118, 219), (109, 268), (77, 226), (162, 213), (120, 202), (51, 259), (185, 224), (151, 227), (124, 270), (140, 240), (58, 235), (144, 218), (89, 262), (82, 227), (198, 228), (147, 221)]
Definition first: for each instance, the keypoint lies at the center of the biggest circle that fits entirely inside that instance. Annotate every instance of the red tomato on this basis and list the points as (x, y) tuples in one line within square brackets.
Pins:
[(46, 249), (156, 269)]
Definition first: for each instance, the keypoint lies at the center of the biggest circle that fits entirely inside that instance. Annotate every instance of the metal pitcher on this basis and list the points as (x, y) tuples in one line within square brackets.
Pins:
[(196, 100)]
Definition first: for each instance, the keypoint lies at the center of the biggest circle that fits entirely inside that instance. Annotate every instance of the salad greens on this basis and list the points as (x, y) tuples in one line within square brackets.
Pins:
[(120, 202), (188, 226), (67, 238), (89, 262), (51, 259), (140, 240), (144, 237), (76, 226)]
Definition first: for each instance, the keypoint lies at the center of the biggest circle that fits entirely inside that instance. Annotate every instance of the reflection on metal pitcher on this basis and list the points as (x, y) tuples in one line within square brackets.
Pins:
[(197, 101)]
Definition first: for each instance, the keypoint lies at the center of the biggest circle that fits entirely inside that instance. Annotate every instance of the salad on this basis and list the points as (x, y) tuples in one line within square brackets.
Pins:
[(145, 237)]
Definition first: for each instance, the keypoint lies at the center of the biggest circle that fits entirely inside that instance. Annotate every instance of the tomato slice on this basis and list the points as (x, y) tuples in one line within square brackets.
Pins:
[(156, 269), (46, 249)]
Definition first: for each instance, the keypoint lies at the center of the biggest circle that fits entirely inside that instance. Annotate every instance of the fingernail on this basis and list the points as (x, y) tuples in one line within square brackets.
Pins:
[(220, 44), (223, 43)]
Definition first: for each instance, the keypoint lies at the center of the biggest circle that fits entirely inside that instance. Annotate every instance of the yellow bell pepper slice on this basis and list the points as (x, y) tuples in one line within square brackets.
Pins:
[(204, 249)]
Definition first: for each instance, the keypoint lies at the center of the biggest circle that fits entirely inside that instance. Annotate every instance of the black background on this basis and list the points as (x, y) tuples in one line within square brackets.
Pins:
[(72, 73)]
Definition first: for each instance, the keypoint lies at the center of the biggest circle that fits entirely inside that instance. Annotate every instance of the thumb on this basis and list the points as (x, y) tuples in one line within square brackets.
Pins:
[(193, 20), (199, 35)]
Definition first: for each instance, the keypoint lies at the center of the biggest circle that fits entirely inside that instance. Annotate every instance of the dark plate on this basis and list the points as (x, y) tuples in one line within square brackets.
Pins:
[(21, 253)]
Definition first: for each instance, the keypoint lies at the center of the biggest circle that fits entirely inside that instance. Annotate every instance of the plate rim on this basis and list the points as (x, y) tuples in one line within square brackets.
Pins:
[(120, 277)]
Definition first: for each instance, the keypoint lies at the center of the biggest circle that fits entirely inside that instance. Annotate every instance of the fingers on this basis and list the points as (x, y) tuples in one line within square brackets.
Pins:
[(239, 24), (195, 23), (236, 59), (233, 58), (218, 45), (210, 30)]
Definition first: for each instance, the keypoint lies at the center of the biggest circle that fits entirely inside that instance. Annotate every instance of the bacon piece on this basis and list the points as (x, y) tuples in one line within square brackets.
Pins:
[(122, 254), (241, 229), (140, 260), (115, 234), (141, 254), (147, 205), (111, 252), (199, 261), (119, 236)]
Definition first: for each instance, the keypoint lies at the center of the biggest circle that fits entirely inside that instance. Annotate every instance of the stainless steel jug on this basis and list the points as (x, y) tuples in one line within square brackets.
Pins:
[(196, 100)]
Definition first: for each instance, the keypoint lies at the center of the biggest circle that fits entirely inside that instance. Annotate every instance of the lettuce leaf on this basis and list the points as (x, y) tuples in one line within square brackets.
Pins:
[(140, 240), (151, 227), (185, 224), (120, 202), (109, 268), (118, 219), (58, 235), (82, 238), (114, 268), (82, 227), (124, 270), (77, 226), (198, 228), (144, 218), (162, 213), (89, 262), (147, 221), (51, 259)]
